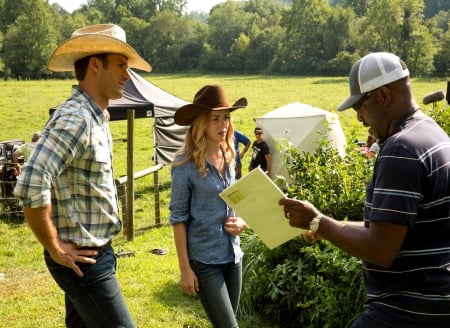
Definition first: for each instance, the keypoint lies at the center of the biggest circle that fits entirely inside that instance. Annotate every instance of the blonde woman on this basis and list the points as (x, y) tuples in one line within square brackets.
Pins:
[(206, 230)]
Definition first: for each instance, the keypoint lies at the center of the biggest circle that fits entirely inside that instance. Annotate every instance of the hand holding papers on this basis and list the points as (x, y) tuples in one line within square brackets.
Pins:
[(255, 198)]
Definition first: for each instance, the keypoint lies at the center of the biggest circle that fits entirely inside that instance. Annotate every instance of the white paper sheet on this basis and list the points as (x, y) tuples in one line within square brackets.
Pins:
[(255, 199)]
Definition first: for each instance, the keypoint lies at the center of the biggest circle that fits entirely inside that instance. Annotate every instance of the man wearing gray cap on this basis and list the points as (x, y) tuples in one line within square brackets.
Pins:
[(404, 239)]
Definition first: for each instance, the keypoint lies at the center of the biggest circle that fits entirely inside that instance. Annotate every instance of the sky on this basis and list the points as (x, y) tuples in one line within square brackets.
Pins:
[(192, 5)]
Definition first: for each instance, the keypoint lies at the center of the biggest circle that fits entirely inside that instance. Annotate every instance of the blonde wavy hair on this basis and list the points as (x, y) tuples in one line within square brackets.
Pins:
[(195, 144)]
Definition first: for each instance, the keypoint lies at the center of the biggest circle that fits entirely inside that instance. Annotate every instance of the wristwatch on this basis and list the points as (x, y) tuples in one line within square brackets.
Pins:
[(314, 224)]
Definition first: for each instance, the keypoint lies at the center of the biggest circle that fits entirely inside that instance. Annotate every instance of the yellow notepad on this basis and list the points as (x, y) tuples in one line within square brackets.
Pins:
[(255, 199)]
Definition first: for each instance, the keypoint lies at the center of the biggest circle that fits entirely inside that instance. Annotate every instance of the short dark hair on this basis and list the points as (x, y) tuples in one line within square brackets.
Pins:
[(82, 64)]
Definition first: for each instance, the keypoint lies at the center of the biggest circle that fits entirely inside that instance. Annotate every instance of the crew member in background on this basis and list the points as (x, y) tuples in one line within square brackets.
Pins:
[(261, 153), (22, 153), (371, 147), (240, 138)]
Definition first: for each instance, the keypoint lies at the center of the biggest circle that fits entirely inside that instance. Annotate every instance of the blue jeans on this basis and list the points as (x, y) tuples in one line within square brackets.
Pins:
[(94, 300), (220, 290)]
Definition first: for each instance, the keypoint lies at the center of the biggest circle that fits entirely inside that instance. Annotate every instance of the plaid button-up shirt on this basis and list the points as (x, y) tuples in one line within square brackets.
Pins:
[(71, 168)]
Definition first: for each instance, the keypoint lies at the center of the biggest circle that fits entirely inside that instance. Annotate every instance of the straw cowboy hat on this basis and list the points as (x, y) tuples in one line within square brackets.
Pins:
[(92, 40), (208, 98)]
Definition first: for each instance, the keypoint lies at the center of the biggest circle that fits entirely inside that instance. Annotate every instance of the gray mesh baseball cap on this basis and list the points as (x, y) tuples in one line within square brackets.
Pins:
[(371, 72)]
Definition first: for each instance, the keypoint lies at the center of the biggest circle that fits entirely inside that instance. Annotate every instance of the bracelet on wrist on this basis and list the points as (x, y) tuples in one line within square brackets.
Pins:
[(315, 222)]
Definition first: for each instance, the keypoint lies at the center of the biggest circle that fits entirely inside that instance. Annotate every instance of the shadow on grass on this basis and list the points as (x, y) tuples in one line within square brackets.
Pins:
[(171, 296), (144, 229), (167, 296)]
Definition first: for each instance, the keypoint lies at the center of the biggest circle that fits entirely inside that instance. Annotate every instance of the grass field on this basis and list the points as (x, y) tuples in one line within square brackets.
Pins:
[(30, 298)]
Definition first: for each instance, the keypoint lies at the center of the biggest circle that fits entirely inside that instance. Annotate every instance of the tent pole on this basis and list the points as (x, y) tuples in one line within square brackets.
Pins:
[(156, 196), (156, 179), (130, 175)]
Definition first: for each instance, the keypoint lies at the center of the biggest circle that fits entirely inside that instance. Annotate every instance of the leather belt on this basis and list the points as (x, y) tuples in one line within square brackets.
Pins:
[(99, 249)]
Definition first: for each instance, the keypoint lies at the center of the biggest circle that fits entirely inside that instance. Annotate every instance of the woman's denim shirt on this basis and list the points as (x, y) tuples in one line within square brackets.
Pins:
[(195, 201)]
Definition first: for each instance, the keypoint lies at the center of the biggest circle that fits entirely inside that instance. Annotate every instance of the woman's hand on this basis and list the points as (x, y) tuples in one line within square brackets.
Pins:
[(234, 225), (189, 282)]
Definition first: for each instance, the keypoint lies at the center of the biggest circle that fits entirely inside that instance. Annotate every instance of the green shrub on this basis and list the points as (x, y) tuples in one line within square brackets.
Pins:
[(303, 285), (335, 185), (441, 115)]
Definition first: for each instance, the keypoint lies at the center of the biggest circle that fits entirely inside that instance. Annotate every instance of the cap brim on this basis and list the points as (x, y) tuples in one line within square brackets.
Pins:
[(350, 102)]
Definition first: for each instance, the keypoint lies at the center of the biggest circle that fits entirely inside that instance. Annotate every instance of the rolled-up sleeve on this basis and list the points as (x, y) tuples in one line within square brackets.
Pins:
[(49, 157), (181, 195)]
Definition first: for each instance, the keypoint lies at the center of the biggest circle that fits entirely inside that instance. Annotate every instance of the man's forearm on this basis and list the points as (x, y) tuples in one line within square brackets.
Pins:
[(39, 221)]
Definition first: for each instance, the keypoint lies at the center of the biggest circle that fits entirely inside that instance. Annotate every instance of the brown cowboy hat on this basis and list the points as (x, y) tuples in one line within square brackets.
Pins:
[(92, 40), (208, 98)]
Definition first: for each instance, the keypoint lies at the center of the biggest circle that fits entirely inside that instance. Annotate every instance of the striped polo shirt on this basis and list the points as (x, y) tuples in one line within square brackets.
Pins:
[(410, 187)]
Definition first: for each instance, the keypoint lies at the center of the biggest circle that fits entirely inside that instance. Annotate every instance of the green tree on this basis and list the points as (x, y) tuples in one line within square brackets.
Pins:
[(440, 22), (170, 38), (229, 30), (192, 52), (305, 23), (377, 37), (177, 6), (26, 51), (136, 8), (302, 50), (93, 15), (341, 38), (406, 34), (265, 34), (227, 21), (10, 10), (2, 65), (107, 8), (262, 49), (238, 51), (442, 58), (339, 33), (358, 6), (417, 42), (115, 10), (266, 13), (66, 23), (434, 6), (136, 30)]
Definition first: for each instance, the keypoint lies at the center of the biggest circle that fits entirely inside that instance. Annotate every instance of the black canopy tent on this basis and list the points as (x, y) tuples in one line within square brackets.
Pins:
[(150, 101)]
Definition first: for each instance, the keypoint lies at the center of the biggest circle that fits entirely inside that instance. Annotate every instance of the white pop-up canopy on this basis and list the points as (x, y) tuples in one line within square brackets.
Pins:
[(301, 125)]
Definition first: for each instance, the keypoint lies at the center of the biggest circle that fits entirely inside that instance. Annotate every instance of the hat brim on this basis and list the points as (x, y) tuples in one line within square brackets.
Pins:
[(73, 49), (186, 114), (350, 102)]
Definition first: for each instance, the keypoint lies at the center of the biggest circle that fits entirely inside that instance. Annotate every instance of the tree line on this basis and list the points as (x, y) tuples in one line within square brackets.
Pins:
[(298, 37)]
